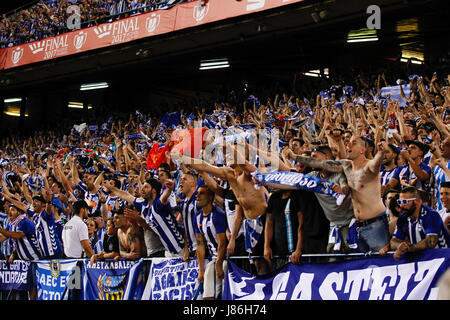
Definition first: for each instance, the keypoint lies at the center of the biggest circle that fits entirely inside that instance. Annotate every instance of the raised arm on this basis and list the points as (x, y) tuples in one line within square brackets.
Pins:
[(201, 165), (120, 193), (329, 165), (212, 184)]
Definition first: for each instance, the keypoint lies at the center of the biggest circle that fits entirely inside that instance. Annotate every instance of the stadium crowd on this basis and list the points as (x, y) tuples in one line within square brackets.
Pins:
[(48, 18), (129, 187)]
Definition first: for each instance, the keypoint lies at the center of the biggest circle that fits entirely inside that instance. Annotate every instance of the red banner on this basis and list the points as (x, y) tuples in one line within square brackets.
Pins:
[(135, 27)]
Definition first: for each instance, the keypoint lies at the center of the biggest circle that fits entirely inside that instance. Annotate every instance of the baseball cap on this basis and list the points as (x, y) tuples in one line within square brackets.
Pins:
[(420, 145)]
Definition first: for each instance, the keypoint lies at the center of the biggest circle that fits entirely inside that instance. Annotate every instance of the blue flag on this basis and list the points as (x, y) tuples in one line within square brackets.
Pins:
[(171, 119)]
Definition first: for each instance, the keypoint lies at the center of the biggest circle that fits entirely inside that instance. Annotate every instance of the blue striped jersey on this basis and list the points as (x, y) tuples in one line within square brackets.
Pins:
[(6, 246), (46, 232), (188, 209), (28, 246), (387, 175), (211, 225), (439, 176), (96, 241), (92, 199), (163, 222), (407, 174), (428, 222)]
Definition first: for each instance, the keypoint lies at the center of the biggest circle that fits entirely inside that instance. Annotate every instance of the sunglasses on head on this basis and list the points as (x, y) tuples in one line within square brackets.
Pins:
[(404, 201)]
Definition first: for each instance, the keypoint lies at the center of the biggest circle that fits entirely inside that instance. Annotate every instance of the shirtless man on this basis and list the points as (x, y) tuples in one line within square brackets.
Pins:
[(131, 242), (363, 176), (238, 175)]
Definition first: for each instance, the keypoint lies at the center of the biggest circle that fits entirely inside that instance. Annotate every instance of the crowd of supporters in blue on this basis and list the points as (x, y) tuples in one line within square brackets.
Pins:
[(102, 168), (105, 178), (48, 18)]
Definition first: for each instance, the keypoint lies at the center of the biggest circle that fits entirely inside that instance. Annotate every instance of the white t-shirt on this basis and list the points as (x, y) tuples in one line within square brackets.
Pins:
[(74, 232)]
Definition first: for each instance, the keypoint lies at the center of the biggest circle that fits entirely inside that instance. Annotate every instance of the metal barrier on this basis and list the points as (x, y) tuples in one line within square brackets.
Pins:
[(320, 258)]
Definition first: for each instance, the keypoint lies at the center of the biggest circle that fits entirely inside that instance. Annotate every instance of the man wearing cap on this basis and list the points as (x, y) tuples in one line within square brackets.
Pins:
[(416, 172), (41, 213), (75, 234), (46, 227), (23, 232), (90, 187)]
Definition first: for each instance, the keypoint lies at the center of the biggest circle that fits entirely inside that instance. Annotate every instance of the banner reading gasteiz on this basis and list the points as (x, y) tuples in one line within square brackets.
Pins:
[(413, 277)]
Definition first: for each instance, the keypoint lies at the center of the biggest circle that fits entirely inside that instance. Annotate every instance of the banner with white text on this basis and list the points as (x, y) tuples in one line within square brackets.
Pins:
[(172, 279), (413, 277), (15, 276), (111, 280), (52, 278), (148, 24)]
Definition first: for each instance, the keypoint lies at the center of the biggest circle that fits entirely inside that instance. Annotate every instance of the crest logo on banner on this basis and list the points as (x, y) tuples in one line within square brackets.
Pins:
[(53, 278), (55, 268), (80, 40), (152, 22), (36, 47), (200, 12), (103, 31), (17, 55)]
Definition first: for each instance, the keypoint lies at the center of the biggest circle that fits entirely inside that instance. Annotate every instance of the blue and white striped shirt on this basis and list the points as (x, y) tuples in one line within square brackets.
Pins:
[(211, 225), (46, 233), (96, 241), (27, 247), (6, 246), (163, 222), (439, 176), (188, 208), (428, 222)]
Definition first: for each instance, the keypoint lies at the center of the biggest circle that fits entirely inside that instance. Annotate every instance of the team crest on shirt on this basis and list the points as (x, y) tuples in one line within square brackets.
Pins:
[(55, 268)]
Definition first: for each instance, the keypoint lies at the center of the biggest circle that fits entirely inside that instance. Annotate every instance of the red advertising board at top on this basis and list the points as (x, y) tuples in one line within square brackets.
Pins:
[(182, 16)]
